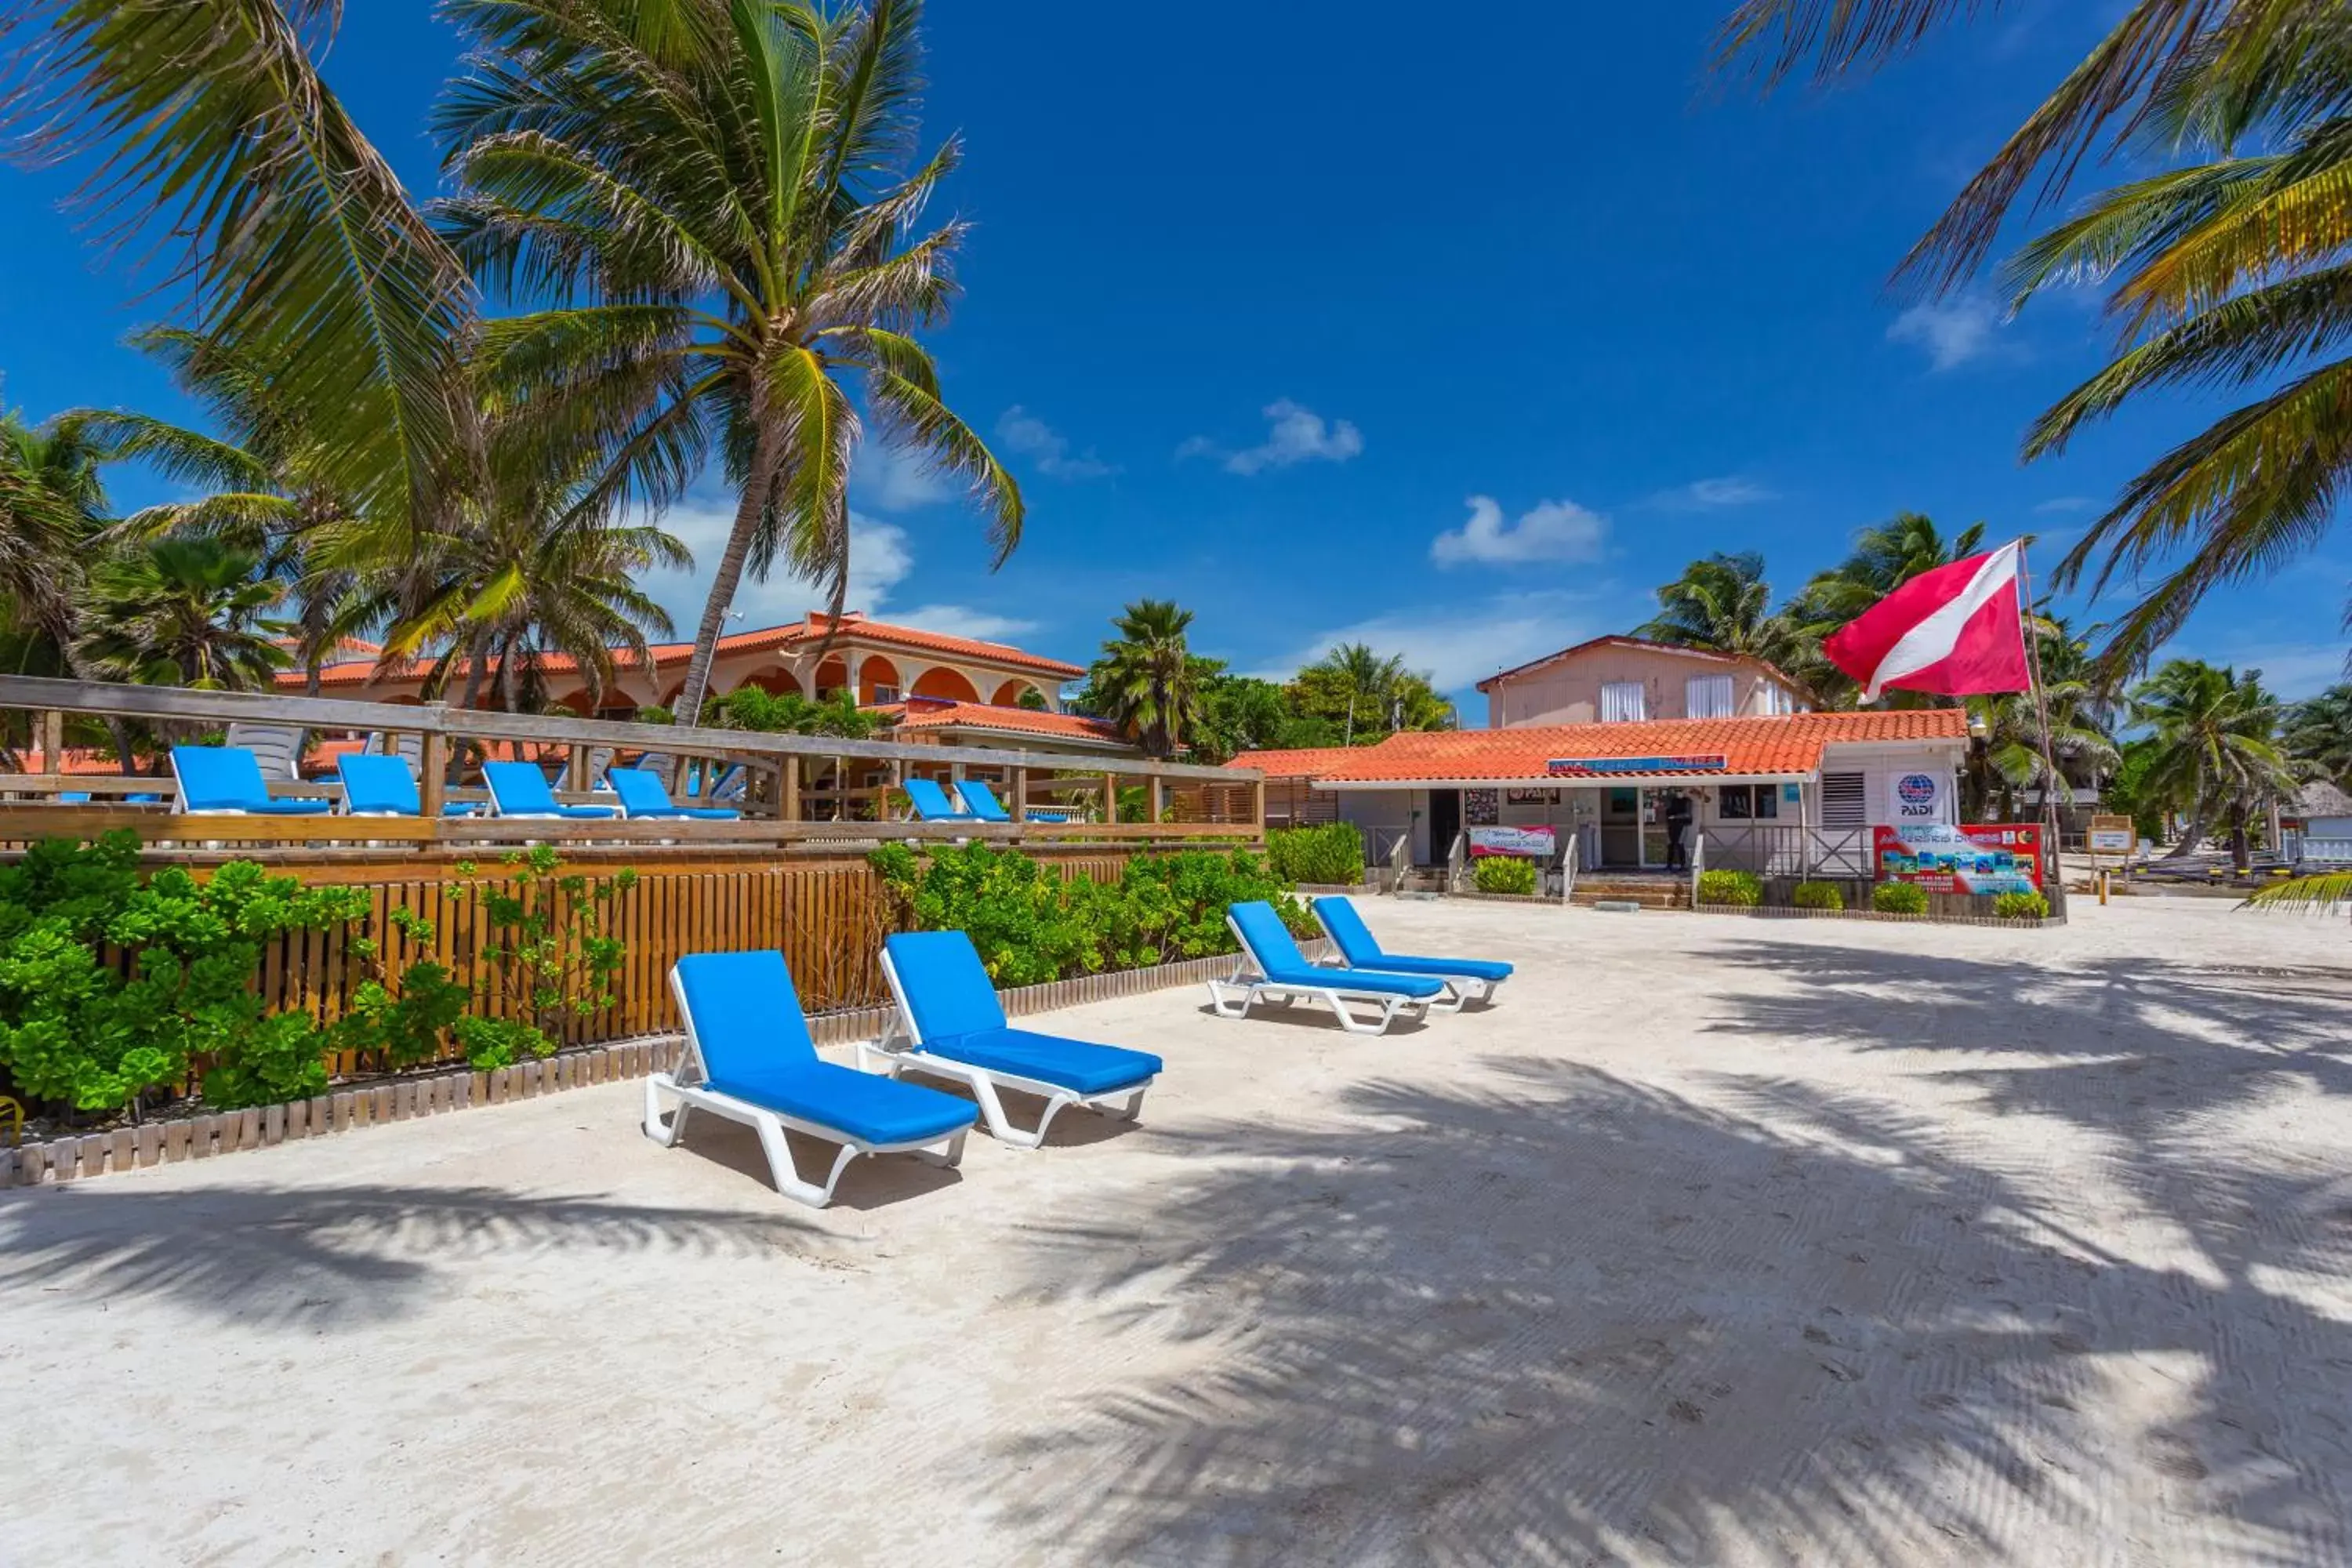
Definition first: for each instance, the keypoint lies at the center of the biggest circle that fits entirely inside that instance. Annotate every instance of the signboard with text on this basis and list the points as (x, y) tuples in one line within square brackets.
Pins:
[(1973, 857), (1537, 843), (1604, 766), (2112, 835), (1917, 796)]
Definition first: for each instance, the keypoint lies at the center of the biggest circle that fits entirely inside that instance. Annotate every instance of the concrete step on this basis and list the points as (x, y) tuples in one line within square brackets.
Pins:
[(1650, 892)]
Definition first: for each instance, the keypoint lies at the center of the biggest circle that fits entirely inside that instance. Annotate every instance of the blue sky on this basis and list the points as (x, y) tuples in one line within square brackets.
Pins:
[(1456, 338)]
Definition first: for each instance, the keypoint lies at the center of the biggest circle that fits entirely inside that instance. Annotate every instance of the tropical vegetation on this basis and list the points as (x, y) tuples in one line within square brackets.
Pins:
[(1329, 854), (1504, 874), (2214, 754)]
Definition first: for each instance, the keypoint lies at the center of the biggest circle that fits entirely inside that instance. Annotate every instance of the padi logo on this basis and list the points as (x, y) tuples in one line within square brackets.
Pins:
[(1914, 794)]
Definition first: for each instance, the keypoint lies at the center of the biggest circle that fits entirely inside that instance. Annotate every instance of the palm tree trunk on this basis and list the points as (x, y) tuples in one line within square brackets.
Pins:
[(2240, 851), (758, 486), (2200, 821)]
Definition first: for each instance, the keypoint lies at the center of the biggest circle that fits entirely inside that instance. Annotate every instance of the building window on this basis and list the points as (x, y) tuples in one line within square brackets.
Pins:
[(1707, 697), (885, 694), (1844, 801), (1622, 702), (1748, 802)]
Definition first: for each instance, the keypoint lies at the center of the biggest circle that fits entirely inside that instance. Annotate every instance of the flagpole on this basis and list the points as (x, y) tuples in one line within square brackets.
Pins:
[(2054, 870)]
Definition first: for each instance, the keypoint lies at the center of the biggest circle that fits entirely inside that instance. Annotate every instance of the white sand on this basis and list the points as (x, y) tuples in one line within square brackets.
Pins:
[(1717, 1241)]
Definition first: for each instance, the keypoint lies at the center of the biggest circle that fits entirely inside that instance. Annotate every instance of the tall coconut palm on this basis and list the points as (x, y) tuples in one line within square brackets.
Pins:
[(733, 189), (1722, 604), (52, 505), (1148, 681), (302, 248), (2018, 755), (185, 612), (2216, 749), (2318, 733)]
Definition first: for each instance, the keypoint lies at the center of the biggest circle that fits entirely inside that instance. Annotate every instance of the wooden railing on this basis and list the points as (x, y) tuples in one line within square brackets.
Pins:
[(802, 788)]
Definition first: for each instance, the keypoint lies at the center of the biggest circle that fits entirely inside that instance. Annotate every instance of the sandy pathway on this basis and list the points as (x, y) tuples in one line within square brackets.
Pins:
[(1718, 1241)]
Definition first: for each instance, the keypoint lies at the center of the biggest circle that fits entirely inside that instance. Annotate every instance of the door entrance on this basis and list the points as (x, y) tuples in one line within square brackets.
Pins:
[(1444, 822), (1620, 828)]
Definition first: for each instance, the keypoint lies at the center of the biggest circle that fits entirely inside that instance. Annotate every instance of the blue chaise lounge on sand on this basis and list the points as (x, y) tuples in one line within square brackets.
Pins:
[(227, 779), (931, 803), (519, 789), (642, 794), (1472, 978), (952, 1025), (376, 785), (1273, 969), (749, 1058)]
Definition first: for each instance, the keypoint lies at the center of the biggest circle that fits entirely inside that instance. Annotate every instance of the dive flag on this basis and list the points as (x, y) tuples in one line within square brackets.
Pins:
[(1957, 631)]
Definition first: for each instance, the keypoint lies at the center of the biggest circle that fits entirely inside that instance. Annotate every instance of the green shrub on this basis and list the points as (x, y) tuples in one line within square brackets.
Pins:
[(1030, 923), (1737, 890), (1899, 899), (1818, 896), (2021, 906), (1330, 855), (1504, 874)]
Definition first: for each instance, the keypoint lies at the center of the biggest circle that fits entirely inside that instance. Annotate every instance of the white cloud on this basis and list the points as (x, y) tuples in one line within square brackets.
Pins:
[(890, 480), (1551, 530), (2060, 504), (1458, 649), (1952, 332), (1048, 449), (1711, 495), (963, 621), (2290, 670), (1294, 434)]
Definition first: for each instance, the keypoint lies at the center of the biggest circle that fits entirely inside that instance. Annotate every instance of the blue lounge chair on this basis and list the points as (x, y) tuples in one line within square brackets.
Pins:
[(981, 801), (749, 1058), (643, 796), (227, 781), (383, 787), (1273, 970), (952, 1025), (519, 789), (1472, 978), (931, 803)]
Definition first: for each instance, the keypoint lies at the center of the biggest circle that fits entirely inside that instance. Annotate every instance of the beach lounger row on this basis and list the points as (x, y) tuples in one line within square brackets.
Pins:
[(228, 779), (1366, 988)]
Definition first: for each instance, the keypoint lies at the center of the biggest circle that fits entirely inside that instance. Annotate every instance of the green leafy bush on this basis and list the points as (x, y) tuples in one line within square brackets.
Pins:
[(1817, 896), (1032, 924), (1899, 899), (1332, 855), (80, 1029), (1504, 874), (2021, 906), (1735, 889)]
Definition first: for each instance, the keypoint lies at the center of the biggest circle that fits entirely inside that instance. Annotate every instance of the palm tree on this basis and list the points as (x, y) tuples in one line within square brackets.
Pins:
[(1724, 605), (732, 187), (2080, 739), (2319, 733), (52, 506), (1148, 681), (185, 612), (2216, 752), (2225, 270), (1884, 557), (304, 250)]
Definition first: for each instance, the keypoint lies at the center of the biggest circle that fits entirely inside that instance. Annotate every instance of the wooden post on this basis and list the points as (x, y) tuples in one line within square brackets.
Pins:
[(1110, 799), (788, 794), (898, 787), (53, 741), (433, 764), (1257, 805), (575, 770), (1156, 796), (1020, 794)]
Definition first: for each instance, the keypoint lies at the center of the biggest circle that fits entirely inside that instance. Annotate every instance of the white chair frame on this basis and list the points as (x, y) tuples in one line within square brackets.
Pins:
[(1460, 989), (900, 1049), (1233, 997), (688, 1085)]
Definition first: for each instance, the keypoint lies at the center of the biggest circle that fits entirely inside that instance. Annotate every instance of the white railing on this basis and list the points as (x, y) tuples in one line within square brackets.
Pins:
[(1788, 851), (1697, 865), (1457, 862), (1400, 859), (1567, 869)]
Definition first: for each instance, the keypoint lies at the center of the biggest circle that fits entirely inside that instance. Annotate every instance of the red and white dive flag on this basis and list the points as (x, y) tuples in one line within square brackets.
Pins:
[(1957, 631)]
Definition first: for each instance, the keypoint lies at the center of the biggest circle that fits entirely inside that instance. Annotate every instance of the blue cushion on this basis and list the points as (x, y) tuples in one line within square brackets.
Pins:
[(521, 790), (375, 784), (1360, 949), (642, 794), (1279, 959), (982, 801), (1074, 1064), (946, 987), (228, 778), (755, 1046), (931, 804)]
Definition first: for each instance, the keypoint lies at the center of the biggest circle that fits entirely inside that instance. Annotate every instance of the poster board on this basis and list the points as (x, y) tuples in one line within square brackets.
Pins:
[(2112, 835), (1534, 843), (1972, 858)]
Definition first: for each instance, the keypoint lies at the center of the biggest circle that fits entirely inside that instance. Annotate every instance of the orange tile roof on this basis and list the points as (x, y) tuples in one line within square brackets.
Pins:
[(937, 714), (1621, 640), (1785, 746), (809, 628), (1297, 763)]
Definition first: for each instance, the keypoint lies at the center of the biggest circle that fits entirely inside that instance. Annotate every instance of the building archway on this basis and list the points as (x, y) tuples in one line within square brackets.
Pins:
[(876, 672), (1018, 694), (832, 675), (949, 685)]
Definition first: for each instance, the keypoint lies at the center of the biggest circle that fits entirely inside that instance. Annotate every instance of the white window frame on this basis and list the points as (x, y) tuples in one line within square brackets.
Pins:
[(1723, 696), (1613, 702)]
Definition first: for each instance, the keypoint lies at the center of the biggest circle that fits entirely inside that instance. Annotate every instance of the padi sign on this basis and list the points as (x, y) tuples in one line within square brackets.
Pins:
[(1916, 796), (1707, 764)]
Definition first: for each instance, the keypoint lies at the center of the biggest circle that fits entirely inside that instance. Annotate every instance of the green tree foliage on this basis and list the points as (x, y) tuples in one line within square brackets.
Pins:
[(1739, 890), (735, 194), (1367, 696), (1899, 899), (2318, 733), (1817, 896), (1030, 923), (1148, 681), (2215, 753), (185, 612), (1723, 604), (2081, 720), (790, 713), (2021, 905)]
